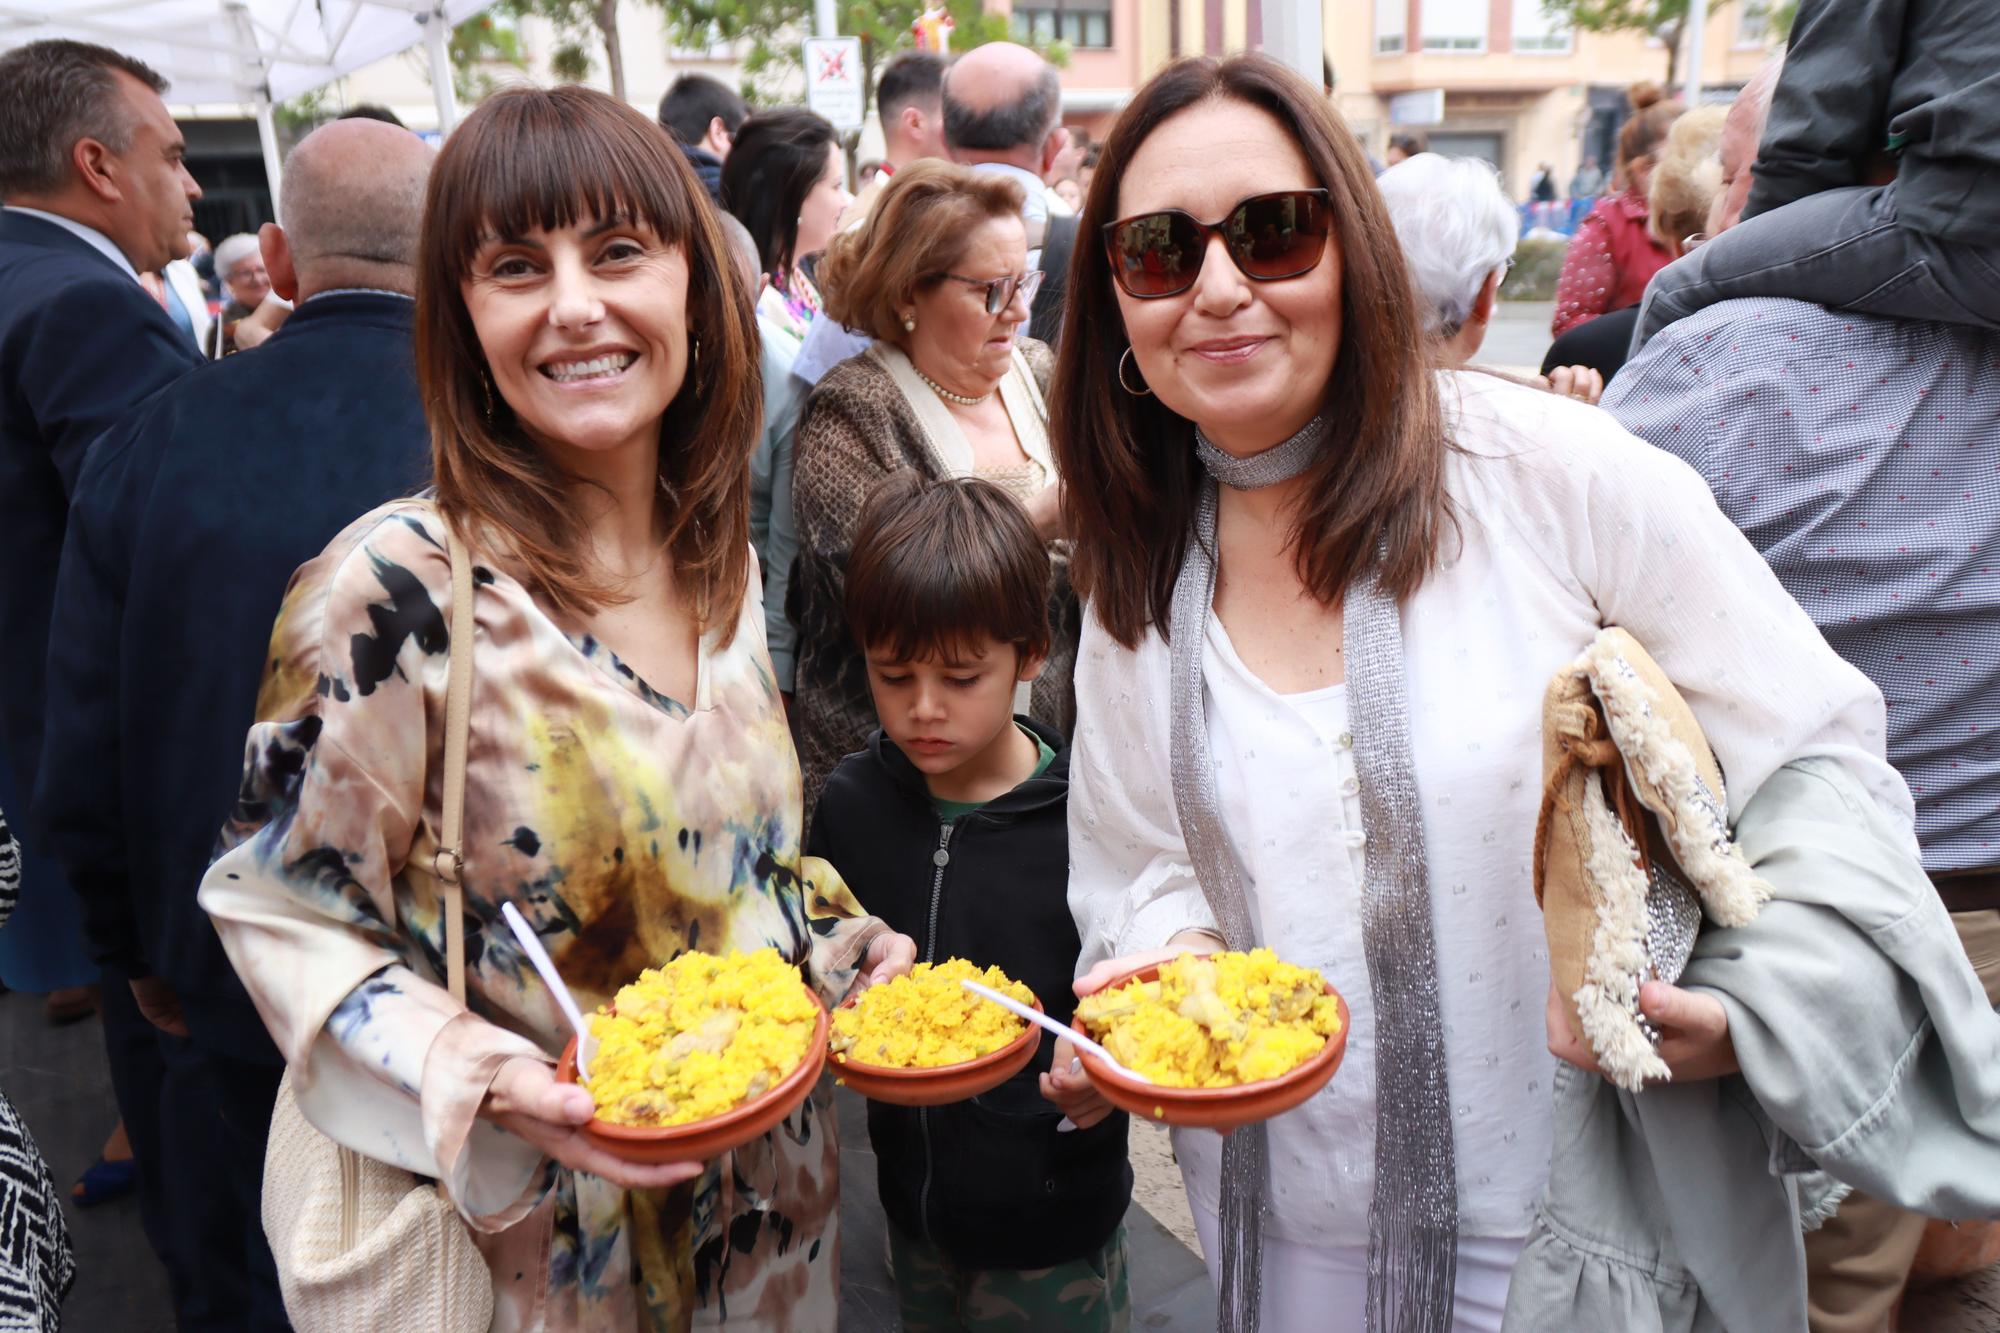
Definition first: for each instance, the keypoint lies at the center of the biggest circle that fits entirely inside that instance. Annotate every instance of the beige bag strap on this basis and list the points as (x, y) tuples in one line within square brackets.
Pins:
[(450, 861)]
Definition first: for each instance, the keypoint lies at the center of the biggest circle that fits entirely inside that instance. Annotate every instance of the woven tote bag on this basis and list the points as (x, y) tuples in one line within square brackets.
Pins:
[(361, 1246)]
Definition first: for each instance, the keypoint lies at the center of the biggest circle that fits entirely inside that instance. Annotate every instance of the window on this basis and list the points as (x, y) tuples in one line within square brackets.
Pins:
[(1537, 31), (1753, 23), (1455, 25), (1392, 24), (1078, 22)]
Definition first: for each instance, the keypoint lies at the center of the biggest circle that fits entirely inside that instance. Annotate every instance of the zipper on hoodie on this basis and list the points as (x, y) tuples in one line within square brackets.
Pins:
[(940, 859)]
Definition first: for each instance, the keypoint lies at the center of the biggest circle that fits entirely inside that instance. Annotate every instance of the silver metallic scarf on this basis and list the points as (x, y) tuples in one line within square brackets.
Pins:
[(1413, 1220)]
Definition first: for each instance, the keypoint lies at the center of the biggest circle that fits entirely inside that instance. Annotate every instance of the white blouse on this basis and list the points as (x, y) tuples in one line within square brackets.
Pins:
[(1566, 524)]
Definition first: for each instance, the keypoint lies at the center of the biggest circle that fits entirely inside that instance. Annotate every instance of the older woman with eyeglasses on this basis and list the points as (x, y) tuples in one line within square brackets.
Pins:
[(950, 387)]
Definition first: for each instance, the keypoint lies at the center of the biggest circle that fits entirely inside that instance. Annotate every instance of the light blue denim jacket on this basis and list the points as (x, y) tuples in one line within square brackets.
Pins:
[(1870, 1059), (772, 531)]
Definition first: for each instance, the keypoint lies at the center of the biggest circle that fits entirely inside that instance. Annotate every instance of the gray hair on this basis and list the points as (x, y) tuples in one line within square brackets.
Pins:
[(52, 94), (233, 251), (1024, 122), (1456, 226), (333, 210)]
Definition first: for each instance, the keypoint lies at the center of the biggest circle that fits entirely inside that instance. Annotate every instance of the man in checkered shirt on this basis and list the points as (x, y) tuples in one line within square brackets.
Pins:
[(1861, 456)]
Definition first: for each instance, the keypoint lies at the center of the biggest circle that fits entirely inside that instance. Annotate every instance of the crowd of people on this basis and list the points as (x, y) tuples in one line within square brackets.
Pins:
[(1065, 580)]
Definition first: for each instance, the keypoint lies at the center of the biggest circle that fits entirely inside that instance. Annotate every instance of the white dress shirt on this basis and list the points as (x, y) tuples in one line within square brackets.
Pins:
[(1566, 524), (90, 236)]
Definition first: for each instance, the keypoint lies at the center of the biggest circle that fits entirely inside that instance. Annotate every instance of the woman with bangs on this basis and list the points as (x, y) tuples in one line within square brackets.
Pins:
[(588, 359), (1326, 586)]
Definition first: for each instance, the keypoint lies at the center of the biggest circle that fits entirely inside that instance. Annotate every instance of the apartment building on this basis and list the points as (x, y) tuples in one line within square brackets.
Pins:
[(1496, 79)]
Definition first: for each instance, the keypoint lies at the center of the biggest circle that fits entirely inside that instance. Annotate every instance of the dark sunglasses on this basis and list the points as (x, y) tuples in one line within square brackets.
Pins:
[(1000, 291), (1269, 236)]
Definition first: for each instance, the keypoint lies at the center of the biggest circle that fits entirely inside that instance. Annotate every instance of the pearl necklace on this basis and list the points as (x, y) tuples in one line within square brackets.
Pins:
[(946, 394)]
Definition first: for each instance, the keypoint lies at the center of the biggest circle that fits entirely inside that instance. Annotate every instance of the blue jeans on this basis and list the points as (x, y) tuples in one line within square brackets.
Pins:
[(1840, 248)]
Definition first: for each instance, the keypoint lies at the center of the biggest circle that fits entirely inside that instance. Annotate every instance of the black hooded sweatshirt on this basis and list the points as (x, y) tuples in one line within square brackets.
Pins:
[(988, 1181)]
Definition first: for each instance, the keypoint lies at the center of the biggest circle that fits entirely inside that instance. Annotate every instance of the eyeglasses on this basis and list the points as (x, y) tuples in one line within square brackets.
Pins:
[(1000, 291), (1269, 236)]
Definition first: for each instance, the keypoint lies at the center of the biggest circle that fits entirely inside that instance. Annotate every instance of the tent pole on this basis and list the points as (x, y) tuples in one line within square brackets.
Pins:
[(435, 35), (267, 139)]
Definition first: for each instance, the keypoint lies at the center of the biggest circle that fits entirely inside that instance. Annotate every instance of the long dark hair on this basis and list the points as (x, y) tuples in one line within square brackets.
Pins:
[(1128, 463), (531, 158), (774, 162)]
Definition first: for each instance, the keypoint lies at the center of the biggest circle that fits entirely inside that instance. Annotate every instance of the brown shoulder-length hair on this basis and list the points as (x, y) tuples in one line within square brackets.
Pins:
[(1128, 464), (916, 231), (528, 158)]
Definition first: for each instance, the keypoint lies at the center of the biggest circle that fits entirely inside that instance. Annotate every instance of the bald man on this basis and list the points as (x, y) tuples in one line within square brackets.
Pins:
[(1003, 114), (188, 520)]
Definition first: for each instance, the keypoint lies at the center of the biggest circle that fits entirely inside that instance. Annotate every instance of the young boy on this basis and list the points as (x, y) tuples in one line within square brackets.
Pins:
[(952, 826)]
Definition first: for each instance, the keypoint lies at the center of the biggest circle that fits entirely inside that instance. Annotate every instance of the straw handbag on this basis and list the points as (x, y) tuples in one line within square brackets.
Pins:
[(1631, 848), (361, 1246)]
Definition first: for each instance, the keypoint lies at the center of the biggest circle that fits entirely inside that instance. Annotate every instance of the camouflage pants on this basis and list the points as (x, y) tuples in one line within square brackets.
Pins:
[(1087, 1295)]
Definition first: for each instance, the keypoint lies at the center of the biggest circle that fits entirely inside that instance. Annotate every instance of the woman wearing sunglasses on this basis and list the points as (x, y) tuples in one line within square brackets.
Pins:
[(1327, 586), (939, 276)]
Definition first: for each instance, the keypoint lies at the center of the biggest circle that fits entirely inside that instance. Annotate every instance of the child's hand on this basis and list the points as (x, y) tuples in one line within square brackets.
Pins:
[(1071, 1089)]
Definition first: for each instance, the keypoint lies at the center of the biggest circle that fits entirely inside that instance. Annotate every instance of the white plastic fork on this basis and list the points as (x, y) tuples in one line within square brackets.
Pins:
[(532, 946), (1040, 1019)]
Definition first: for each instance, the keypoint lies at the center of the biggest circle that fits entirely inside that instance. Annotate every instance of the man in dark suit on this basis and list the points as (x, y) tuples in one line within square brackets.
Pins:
[(188, 521), (95, 193)]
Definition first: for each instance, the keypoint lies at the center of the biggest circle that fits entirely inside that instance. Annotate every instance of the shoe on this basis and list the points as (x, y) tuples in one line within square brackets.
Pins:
[(104, 1181)]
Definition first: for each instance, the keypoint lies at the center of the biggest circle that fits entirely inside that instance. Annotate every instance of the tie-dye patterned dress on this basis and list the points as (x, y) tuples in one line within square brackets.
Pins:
[(625, 825)]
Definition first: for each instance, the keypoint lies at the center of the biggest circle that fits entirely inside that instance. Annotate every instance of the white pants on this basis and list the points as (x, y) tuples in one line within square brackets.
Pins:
[(1324, 1288)]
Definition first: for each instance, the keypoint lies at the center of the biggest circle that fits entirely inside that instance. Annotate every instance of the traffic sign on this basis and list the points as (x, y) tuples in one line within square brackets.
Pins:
[(833, 79)]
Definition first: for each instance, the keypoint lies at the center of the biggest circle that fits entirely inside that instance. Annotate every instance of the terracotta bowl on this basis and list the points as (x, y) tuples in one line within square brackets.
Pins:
[(941, 1084), (705, 1140), (1220, 1109)]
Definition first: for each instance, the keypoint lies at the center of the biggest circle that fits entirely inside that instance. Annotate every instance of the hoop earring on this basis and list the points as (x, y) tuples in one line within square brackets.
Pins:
[(1142, 391)]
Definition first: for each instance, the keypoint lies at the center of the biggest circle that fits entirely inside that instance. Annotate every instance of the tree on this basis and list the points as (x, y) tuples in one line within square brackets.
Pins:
[(1664, 19), (774, 29), (475, 44), (581, 25)]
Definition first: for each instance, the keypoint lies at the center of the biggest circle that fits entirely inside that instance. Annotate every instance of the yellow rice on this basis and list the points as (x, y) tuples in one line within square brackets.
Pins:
[(1215, 1022), (926, 1019), (699, 1037)]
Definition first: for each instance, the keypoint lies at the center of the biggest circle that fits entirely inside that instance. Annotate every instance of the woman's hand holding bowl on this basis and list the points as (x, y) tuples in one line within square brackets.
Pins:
[(1108, 971), (526, 1101), (1693, 1028), (889, 956)]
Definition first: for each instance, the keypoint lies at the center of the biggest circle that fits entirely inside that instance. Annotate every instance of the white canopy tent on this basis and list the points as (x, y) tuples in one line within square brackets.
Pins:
[(255, 53)]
